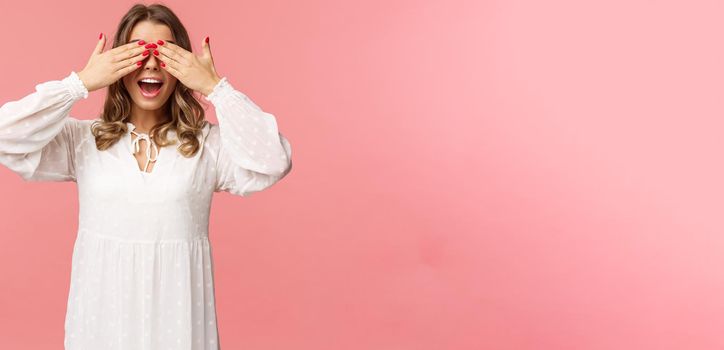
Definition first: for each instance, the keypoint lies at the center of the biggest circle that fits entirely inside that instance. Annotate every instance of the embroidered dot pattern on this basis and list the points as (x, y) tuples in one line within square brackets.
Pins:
[(142, 268)]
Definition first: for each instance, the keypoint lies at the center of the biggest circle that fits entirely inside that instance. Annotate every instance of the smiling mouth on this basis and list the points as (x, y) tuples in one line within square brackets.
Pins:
[(150, 88)]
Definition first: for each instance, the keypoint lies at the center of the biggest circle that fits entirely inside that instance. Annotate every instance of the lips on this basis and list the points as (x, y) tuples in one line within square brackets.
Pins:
[(150, 89)]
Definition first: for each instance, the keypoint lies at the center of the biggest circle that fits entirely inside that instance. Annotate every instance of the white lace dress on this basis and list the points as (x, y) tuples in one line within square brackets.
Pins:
[(142, 270)]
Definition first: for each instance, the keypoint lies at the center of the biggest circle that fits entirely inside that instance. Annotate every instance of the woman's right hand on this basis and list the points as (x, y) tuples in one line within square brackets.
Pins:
[(105, 68)]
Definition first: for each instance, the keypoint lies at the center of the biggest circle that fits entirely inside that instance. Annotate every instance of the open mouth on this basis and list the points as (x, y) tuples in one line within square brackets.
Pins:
[(150, 87)]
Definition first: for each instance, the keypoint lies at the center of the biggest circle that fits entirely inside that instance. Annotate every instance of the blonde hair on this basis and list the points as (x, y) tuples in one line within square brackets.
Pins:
[(187, 115)]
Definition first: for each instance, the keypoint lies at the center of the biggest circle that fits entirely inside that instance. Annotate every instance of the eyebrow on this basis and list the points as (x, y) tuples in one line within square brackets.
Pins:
[(171, 41)]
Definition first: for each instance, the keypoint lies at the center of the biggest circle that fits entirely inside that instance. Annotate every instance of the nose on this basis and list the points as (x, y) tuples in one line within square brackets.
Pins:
[(151, 62)]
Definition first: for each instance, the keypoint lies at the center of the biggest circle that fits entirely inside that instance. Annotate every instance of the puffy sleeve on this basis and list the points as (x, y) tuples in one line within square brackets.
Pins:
[(251, 153), (37, 134)]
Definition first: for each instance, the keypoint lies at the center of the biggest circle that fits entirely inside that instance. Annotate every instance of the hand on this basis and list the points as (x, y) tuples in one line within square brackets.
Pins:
[(105, 68), (195, 72)]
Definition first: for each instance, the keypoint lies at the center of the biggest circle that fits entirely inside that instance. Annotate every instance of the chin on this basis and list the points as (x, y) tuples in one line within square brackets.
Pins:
[(146, 104)]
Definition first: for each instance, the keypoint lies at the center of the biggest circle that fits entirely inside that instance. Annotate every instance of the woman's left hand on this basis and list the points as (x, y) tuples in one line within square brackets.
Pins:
[(195, 72)]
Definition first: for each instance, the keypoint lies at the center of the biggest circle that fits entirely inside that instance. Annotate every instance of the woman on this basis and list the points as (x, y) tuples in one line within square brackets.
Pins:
[(142, 272)]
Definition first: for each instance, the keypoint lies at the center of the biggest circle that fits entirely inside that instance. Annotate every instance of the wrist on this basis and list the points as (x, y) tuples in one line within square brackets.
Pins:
[(83, 79), (210, 88)]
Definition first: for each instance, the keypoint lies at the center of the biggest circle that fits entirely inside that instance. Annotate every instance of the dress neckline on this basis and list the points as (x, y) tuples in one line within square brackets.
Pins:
[(153, 152), (132, 127)]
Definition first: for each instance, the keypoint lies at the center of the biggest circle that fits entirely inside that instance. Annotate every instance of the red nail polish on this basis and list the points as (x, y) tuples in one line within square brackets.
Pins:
[(139, 63), (151, 46), (100, 36), (141, 42), (145, 53), (160, 42), (163, 64), (207, 39), (155, 52)]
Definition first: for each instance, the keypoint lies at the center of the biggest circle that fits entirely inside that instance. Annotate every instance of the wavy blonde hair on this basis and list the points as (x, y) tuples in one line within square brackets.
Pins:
[(186, 114)]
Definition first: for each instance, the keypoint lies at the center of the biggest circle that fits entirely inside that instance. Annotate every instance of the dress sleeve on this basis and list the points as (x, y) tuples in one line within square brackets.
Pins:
[(251, 153), (37, 134)]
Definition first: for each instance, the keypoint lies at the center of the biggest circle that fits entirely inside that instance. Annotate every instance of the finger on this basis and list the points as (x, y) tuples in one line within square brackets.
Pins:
[(172, 67), (174, 52), (125, 70), (127, 46), (206, 47), (182, 52), (100, 45), (170, 56), (130, 52), (131, 61)]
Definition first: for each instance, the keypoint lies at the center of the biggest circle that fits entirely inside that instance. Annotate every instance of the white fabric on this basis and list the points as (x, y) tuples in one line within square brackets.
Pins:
[(142, 270)]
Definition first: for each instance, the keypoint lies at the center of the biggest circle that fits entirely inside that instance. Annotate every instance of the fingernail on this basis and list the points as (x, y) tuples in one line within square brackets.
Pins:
[(139, 63), (163, 64), (100, 36), (207, 39), (155, 52), (145, 53), (151, 46), (141, 42), (160, 42)]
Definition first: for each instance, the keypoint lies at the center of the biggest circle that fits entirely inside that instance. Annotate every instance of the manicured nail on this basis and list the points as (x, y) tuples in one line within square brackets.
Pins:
[(151, 46), (163, 64), (160, 42), (155, 52), (145, 53), (139, 63), (100, 36), (207, 39), (141, 42)]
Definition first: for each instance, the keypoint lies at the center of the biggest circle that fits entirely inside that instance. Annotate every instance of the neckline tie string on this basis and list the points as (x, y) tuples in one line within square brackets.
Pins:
[(137, 147)]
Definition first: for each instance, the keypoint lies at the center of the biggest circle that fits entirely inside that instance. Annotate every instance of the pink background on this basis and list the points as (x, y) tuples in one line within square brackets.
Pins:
[(467, 174)]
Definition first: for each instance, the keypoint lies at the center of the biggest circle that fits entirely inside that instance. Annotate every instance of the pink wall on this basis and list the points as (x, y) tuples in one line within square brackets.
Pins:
[(467, 174)]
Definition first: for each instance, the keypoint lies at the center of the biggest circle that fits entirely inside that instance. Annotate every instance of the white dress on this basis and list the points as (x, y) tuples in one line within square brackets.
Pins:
[(142, 270)]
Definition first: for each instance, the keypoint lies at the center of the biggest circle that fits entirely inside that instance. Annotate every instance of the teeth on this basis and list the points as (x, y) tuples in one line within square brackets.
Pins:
[(147, 80)]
